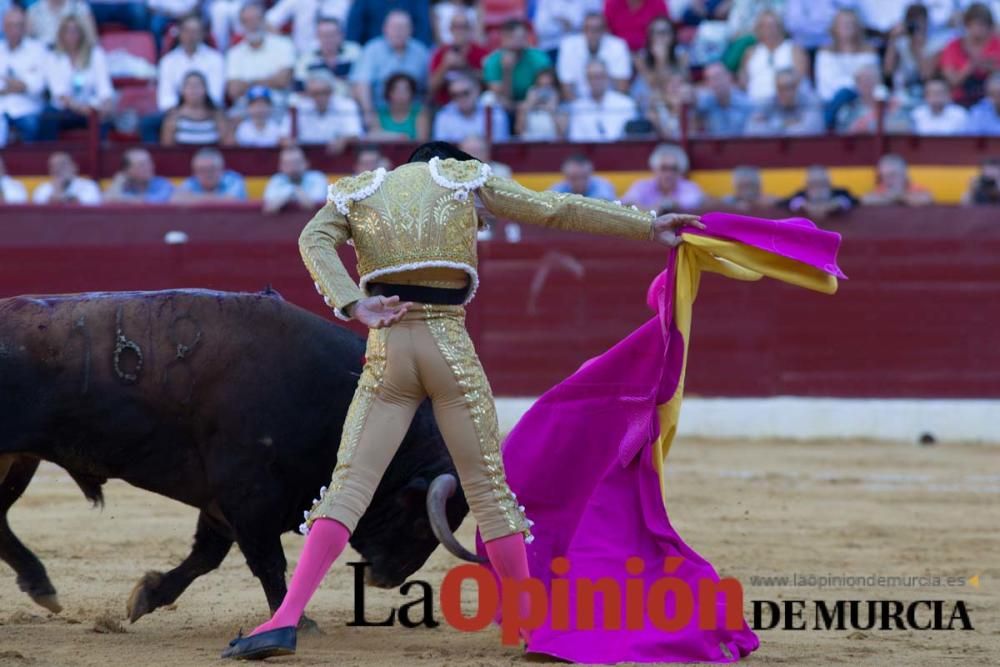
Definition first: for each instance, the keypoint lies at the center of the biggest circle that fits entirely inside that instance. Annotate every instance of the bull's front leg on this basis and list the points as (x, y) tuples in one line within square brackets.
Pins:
[(15, 474), (212, 541)]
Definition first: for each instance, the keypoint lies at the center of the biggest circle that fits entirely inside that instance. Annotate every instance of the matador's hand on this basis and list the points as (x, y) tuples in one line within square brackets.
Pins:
[(666, 226), (376, 312)]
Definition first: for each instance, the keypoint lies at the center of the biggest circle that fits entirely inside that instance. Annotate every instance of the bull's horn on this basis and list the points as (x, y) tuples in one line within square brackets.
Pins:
[(441, 489)]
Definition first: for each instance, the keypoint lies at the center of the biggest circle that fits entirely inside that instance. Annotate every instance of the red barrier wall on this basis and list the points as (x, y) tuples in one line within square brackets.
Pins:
[(918, 318)]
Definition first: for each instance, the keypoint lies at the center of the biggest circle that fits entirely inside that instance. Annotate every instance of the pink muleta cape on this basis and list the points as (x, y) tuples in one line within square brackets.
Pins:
[(586, 460)]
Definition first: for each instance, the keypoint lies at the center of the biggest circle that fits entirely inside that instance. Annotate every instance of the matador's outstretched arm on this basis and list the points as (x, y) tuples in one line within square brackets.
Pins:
[(506, 198)]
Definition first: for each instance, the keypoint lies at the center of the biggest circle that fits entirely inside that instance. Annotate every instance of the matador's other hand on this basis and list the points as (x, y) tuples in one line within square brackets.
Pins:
[(376, 312), (666, 226)]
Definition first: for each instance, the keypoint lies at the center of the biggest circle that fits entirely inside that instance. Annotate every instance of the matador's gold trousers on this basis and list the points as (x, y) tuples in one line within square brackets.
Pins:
[(426, 354)]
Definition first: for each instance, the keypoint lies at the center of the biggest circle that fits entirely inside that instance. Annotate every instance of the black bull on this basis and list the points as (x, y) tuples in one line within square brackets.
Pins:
[(231, 403)]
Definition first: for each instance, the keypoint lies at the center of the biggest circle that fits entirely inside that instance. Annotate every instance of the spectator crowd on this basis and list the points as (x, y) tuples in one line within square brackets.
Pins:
[(237, 72), (331, 73)]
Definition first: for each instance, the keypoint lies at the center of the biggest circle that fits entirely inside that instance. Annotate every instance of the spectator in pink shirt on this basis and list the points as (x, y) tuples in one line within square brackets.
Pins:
[(629, 19), (667, 189)]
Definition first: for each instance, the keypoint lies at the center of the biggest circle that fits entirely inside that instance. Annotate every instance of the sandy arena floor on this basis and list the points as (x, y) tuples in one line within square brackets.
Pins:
[(752, 509)]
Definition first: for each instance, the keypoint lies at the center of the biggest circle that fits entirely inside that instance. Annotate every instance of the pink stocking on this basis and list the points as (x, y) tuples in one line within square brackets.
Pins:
[(325, 541), (509, 558)]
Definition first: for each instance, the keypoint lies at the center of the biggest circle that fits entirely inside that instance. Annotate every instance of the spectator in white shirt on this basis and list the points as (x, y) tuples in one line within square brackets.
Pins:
[(64, 185), (260, 128), (305, 16), (603, 113), (837, 64), (11, 191), (295, 185), (190, 54), (22, 77), (45, 16), (331, 54), (575, 51), (557, 19), (325, 116), (261, 59), (938, 114), (78, 78)]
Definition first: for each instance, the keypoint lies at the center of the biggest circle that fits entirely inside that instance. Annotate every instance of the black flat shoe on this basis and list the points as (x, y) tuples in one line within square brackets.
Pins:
[(280, 641)]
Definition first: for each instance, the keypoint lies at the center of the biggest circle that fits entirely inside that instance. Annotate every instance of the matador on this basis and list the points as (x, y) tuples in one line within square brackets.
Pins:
[(414, 230)]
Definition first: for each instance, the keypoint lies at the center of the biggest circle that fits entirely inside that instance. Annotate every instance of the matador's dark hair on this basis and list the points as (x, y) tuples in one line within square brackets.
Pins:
[(439, 149)]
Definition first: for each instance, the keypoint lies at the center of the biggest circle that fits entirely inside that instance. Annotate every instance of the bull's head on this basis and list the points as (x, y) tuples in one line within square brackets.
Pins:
[(398, 543)]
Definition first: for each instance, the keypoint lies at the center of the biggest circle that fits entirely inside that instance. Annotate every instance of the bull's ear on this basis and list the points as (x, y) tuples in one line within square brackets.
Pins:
[(414, 494)]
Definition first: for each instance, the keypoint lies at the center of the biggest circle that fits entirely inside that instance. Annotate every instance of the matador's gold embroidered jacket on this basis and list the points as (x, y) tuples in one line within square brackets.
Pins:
[(422, 215)]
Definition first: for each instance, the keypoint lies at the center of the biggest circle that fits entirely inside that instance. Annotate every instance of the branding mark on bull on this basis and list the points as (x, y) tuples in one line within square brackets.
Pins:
[(121, 345)]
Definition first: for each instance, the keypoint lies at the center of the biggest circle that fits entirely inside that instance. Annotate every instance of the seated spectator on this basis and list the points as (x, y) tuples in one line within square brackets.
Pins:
[(366, 20), (462, 57), (837, 64), (656, 62), (667, 190), (893, 185), (12, 191), (478, 148), (628, 19), (223, 21), (443, 14), (404, 117), (772, 52), (984, 116), (44, 17), (295, 185), (697, 11), (579, 179), (792, 112), (511, 70), (133, 14), (742, 17), (78, 79), (325, 116), (748, 192), (556, 19), (261, 59), (721, 108), (808, 22), (260, 128), (307, 16), (210, 181), (394, 52), (968, 60), (602, 114), (668, 102), (985, 187), (908, 59), (860, 115), (539, 117), (939, 115), (165, 13), (331, 54), (595, 43), (64, 185), (196, 120), (22, 62), (369, 158), (466, 114), (190, 54), (137, 182), (819, 199)]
